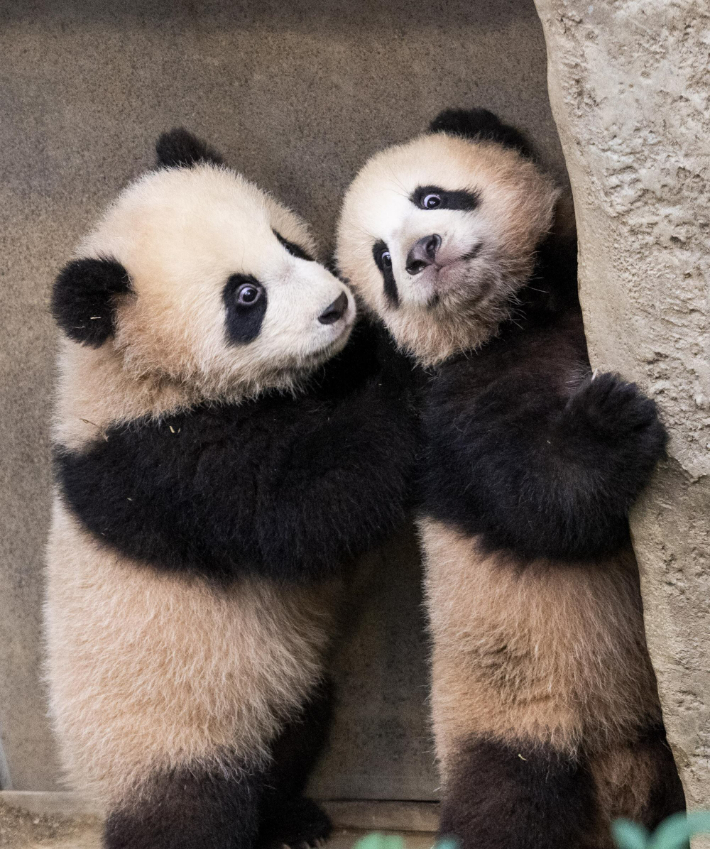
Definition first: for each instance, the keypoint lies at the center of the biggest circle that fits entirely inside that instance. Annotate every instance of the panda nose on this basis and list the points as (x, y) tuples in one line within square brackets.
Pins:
[(335, 311), (422, 253)]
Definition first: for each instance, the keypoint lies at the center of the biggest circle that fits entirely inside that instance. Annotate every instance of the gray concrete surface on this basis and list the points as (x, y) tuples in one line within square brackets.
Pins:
[(630, 88), (297, 94)]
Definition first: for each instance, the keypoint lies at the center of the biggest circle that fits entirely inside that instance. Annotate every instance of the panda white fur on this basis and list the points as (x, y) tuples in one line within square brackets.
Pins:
[(204, 508), (544, 702)]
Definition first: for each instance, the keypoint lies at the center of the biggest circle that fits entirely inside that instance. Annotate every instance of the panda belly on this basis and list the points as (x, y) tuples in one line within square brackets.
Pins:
[(541, 683), (150, 673)]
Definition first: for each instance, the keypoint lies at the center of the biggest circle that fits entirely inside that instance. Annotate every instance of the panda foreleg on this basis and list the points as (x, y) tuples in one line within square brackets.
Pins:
[(190, 807), (541, 474), (287, 816), (341, 485)]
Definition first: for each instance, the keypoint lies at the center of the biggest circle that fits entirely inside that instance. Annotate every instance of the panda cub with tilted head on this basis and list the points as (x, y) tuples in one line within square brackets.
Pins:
[(545, 711), (207, 500)]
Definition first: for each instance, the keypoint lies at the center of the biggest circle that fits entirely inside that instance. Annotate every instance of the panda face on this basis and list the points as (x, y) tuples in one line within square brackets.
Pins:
[(439, 234), (223, 290)]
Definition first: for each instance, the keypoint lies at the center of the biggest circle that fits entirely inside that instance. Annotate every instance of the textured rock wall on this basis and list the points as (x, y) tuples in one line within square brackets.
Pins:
[(629, 87)]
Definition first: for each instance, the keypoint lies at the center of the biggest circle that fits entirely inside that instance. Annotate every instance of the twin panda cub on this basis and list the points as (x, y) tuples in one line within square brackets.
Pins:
[(544, 703), (215, 479), (207, 503)]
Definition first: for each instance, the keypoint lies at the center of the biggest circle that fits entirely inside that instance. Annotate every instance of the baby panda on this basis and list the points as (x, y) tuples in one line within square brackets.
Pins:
[(206, 502), (545, 710)]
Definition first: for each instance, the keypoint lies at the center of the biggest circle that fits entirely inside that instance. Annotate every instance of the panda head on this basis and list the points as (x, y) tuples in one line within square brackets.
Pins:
[(194, 275), (438, 235)]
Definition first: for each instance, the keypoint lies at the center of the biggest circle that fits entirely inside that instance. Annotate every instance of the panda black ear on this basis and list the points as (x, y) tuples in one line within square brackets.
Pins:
[(83, 299), (180, 149), (481, 125)]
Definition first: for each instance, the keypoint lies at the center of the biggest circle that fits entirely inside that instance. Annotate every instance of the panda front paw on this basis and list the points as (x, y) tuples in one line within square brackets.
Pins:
[(620, 416)]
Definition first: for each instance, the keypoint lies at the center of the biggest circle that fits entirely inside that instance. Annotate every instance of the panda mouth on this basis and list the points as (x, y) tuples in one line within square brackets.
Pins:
[(442, 266), (446, 277), (317, 357), (309, 362), (472, 254), (332, 347), (454, 267)]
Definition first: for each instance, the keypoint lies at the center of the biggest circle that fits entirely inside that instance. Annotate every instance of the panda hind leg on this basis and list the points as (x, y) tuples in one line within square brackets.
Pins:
[(639, 780), (298, 823), (191, 807), (508, 794), (288, 817)]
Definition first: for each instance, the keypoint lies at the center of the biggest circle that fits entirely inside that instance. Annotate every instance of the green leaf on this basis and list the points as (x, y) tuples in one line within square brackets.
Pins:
[(698, 822), (380, 841), (446, 843), (676, 831), (629, 835), (672, 833)]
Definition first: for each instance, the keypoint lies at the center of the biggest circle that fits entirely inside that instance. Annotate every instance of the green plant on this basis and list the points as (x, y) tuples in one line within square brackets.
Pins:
[(395, 841), (673, 833), (380, 841)]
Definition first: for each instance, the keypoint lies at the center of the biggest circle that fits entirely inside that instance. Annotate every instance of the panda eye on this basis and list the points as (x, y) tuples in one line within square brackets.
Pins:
[(434, 197), (383, 260), (248, 295), (245, 300), (382, 256)]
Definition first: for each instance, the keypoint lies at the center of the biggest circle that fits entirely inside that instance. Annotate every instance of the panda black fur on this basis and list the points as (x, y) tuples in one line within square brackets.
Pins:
[(208, 498), (544, 701)]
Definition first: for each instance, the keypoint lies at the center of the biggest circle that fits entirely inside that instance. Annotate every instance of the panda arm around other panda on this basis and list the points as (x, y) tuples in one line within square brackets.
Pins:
[(278, 487), (536, 457), (345, 483)]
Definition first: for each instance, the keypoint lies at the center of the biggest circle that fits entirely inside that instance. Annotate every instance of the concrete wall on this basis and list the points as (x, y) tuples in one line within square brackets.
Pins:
[(630, 86), (297, 94)]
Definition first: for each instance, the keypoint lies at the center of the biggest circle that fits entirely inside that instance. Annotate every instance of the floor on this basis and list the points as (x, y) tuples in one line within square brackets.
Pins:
[(20, 829), (25, 829)]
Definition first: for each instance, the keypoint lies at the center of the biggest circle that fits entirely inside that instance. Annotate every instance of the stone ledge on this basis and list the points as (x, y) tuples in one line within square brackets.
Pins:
[(358, 815)]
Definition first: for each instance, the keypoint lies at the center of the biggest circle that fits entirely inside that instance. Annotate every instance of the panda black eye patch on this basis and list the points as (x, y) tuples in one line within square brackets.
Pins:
[(245, 300), (293, 248), (434, 197), (383, 260)]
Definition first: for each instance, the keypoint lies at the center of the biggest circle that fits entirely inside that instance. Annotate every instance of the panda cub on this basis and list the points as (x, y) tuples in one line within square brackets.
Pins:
[(545, 710), (206, 503)]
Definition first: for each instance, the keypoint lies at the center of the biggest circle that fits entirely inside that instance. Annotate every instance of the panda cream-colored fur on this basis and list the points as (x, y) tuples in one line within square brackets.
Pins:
[(207, 501), (434, 319), (544, 703)]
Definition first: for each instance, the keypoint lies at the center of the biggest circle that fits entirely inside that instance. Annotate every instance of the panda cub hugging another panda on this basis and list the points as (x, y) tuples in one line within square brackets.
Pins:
[(205, 506), (545, 711)]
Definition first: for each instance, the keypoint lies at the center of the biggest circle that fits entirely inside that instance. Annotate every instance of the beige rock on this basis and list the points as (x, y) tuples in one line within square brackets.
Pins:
[(629, 87)]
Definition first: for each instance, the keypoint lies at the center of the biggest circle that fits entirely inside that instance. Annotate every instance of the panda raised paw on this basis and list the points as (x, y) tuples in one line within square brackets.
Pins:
[(617, 411)]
